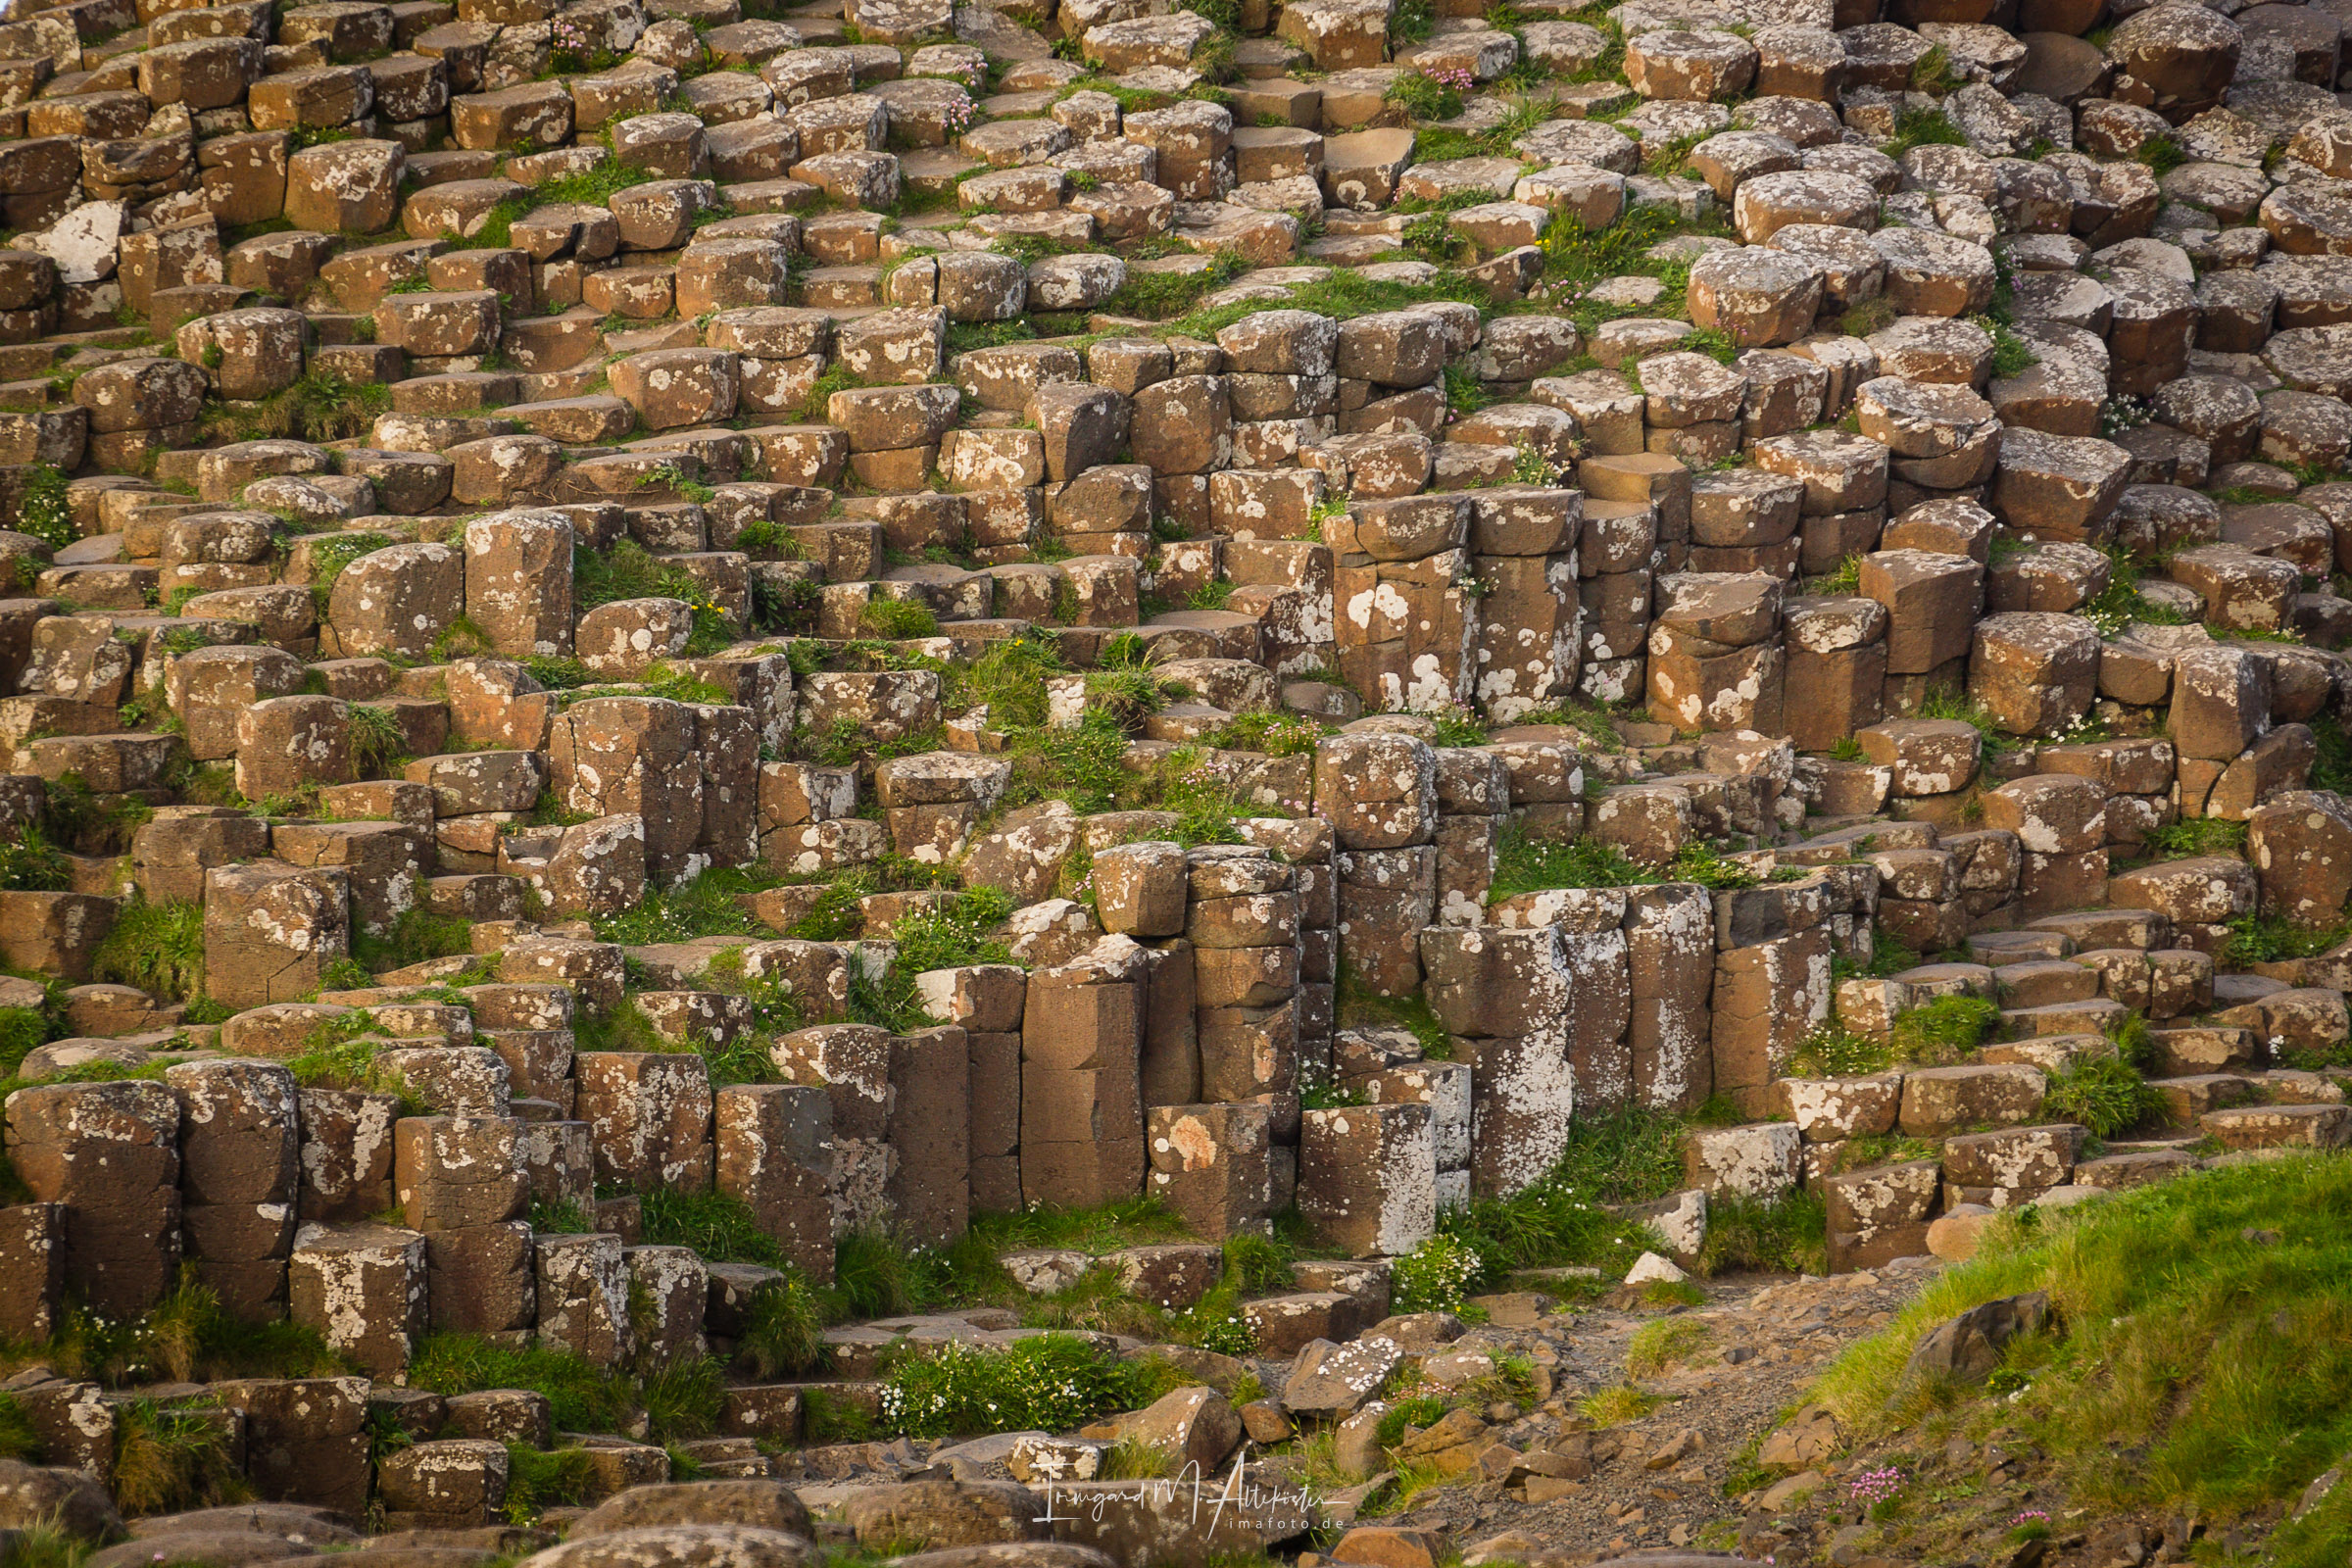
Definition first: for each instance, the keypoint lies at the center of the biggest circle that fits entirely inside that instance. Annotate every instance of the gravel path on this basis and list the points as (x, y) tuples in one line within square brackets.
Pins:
[(1766, 1338)]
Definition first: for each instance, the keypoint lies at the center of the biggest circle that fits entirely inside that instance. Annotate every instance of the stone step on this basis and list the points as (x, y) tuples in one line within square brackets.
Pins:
[(2246, 1127)]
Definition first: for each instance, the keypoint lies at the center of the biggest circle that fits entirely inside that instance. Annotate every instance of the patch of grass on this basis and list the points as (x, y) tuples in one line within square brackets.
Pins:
[(2012, 355), (320, 406), (1872, 314), (497, 230), (337, 1054), (538, 1480), (1922, 127), (1747, 1233), (172, 1458), (1525, 864), (2121, 602), (2194, 837), (722, 1228), (1560, 1219), (1161, 296), (376, 742), (1712, 341), (2161, 155), (34, 864), (1833, 1051), (876, 1276), (1664, 1295), (187, 1336), (1616, 1404), (1880, 1148), (785, 1333), (1435, 1276), (2332, 769), (1596, 721), (2275, 939), (1933, 73), (560, 1219), (330, 555), (416, 936), (1360, 1007), (1342, 296), (1658, 1348), (1268, 732), (45, 511), (703, 907), (682, 1398), (1629, 1156), (583, 1396), (19, 1438), (1942, 1032), (899, 619), (840, 378), (1133, 1460), (158, 947), (1698, 862), (2105, 1095), (1887, 956), (591, 187), (1948, 702), (1423, 96), (1420, 1410), (22, 1030), (626, 569), (1127, 1222), (2202, 1356), (1052, 1383), (827, 1416)]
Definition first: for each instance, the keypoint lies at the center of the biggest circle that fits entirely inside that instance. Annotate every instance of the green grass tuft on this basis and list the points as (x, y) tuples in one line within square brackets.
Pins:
[(1747, 1233), (2107, 1096), (1944, 1031), (157, 947)]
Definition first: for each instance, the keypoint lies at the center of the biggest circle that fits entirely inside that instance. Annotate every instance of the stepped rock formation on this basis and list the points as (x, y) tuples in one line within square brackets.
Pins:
[(865, 617)]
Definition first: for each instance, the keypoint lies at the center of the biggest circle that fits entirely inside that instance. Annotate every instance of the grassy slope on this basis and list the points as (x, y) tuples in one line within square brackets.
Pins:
[(2204, 1363)]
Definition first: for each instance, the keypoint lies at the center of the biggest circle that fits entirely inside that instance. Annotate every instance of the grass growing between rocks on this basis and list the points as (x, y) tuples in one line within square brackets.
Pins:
[(1833, 1051), (419, 935), (679, 1401), (1942, 1032), (1051, 1383), (1626, 1157), (23, 1030), (705, 905), (1360, 1007), (157, 947), (1129, 1222), (1525, 864), (172, 1458), (1791, 1234), (188, 1336), (1659, 1347), (2194, 835), (538, 1480), (2105, 1096), (19, 1439), (2201, 1361), (1343, 296), (34, 864), (2275, 939), (338, 1054), (722, 1228), (1617, 1405)]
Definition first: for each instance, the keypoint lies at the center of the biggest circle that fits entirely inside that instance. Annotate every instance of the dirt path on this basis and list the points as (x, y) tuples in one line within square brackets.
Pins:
[(1659, 1480)]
